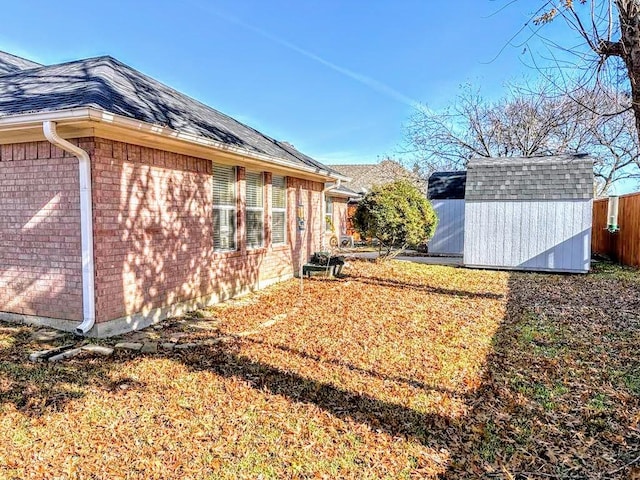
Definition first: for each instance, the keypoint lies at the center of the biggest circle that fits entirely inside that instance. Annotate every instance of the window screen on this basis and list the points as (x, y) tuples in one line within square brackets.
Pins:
[(278, 210), (224, 207), (255, 209)]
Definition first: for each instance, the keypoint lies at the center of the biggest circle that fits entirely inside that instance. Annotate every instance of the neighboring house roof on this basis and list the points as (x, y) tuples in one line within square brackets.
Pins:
[(11, 63), (342, 191), (553, 177), (447, 185), (107, 84), (364, 177)]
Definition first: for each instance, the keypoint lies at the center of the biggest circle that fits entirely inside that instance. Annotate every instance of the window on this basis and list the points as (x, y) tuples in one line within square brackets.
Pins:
[(328, 214), (224, 208), (278, 210), (255, 209)]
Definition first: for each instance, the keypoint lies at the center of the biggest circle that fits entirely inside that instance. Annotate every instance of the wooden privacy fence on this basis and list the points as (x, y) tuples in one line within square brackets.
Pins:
[(623, 246)]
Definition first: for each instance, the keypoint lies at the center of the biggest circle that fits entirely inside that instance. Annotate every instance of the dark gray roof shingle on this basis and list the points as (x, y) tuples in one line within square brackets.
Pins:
[(446, 185), (12, 63), (553, 177), (108, 84)]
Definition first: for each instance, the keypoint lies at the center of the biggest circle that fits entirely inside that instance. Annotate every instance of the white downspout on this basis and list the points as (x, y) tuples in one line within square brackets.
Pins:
[(86, 224), (324, 209)]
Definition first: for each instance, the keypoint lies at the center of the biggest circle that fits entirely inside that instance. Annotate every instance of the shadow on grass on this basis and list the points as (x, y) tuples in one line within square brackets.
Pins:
[(392, 418), (553, 402), (386, 282), (38, 388), (371, 373)]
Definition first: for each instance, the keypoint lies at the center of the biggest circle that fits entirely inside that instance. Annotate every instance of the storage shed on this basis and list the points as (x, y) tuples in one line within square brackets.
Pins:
[(530, 213), (446, 193)]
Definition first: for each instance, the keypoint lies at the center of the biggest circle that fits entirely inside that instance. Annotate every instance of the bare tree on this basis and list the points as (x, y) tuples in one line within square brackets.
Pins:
[(613, 142), (520, 124), (525, 122), (610, 30)]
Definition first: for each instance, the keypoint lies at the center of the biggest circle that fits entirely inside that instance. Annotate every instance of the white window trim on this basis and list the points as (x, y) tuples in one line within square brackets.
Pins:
[(227, 208), (279, 210), (254, 209), (328, 227)]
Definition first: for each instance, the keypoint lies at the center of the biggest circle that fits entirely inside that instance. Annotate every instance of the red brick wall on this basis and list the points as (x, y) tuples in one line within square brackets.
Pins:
[(153, 231), (309, 194), (40, 250), (340, 216)]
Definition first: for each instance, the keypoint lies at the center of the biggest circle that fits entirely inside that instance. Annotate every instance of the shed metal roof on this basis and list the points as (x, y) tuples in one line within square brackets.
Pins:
[(553, 177), (447, 185)]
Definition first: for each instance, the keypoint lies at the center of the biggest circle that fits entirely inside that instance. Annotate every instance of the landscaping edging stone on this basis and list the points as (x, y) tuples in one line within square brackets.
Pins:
[(149, 347), (144, 343), (129, 346), (66, 354), (99, 349), (44, 355)]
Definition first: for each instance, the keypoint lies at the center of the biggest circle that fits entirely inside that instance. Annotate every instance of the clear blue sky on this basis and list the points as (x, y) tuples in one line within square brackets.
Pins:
[(336, 78)]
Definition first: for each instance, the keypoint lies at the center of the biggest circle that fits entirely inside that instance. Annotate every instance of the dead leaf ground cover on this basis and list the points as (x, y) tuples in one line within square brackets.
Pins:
[(397, 370)]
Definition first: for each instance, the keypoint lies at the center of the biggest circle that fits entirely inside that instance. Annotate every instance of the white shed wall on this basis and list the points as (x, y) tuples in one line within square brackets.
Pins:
[(449, 236), (547, 235)]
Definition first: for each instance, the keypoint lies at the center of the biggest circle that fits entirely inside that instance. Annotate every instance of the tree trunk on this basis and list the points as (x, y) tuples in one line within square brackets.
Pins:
[(629, 14)]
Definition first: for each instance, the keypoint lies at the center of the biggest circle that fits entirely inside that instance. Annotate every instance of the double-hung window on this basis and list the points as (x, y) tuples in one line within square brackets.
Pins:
[(255, 209), (224, 208), (278, 210)]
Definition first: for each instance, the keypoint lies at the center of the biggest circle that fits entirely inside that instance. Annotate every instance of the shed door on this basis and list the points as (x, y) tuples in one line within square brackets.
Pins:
[(449, 236)]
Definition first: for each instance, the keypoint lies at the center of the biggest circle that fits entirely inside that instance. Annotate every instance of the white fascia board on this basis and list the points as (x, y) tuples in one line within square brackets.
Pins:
[(29, 120), (78, 115), (341, 194)]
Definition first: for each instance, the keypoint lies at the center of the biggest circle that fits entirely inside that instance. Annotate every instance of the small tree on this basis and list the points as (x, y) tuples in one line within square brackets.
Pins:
[(397, 215)]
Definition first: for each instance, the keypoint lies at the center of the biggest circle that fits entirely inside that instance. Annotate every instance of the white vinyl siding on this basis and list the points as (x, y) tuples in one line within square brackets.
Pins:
[(278, 210), (328, 214), (255, 209), (224, 208), (545, 235), (449, 235)]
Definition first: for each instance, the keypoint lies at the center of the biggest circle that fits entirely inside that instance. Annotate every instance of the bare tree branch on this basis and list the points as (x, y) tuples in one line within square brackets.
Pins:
[(528, 121)]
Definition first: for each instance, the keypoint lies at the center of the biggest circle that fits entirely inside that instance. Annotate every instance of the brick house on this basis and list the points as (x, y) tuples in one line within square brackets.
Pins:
[(123, 201)]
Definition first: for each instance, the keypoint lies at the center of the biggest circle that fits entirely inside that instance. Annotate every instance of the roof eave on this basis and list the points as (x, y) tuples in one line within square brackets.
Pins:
[(339, 176), (88, 114), (341, 194)]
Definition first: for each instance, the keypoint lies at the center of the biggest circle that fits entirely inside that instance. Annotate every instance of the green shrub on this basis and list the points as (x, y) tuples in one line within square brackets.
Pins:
[(397, 215)]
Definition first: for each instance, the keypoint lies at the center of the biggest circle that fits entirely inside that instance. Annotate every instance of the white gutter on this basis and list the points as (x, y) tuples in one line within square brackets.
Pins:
[(333, 187), (87, 114), (86, 224)]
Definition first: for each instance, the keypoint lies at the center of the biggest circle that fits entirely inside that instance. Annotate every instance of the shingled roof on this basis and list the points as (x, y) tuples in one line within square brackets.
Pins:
[(11, 63), (343, 191), (554, 177), (107, 84), (447, 185), (365, 176)]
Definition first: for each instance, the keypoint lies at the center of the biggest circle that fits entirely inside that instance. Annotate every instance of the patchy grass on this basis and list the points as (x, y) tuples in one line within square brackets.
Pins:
[(609, 270), (398, 370)]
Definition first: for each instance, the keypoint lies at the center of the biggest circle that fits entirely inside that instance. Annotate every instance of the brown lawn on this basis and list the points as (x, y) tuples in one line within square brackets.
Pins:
[(395, 371)]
